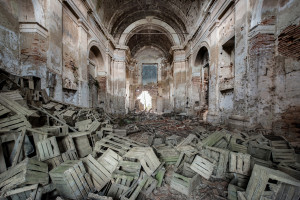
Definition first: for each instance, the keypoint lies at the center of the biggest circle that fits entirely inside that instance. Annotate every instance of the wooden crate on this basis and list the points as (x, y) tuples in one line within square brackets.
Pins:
[(3, 110), (29, 171), (15, 122), (239, 163), (110, 160), (189, 140), (185, 180), (47, 149), (233, 191), (234, 146), (220, 157), (116, 143), (15, 107), (100, 176), (147, 158), (266, 182), (133, 192), (168, 154), (33, 192), (123, 178), (282, 152), (69, 155), (82, 143), (71, 180), (54, 162), (203, 167), (262, 152), (148, 188), (291, 169), (218, 139), (83, 125)]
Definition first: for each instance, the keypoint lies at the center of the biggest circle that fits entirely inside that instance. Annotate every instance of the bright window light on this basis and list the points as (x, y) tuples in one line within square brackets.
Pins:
[(146, 100)]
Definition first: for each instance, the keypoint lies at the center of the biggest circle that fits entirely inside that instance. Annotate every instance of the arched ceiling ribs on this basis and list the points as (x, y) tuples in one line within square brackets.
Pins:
[(149, 23)]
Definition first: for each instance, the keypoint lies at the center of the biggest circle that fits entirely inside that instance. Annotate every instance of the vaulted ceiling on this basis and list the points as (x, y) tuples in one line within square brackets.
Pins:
[(181, 15)]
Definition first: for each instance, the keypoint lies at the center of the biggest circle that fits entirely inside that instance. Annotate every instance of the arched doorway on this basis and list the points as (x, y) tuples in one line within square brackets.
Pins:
[(202, 61), (96, 89)]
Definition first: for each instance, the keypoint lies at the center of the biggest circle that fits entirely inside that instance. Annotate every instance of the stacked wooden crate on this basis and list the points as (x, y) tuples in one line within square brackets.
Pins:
[(71, 180)]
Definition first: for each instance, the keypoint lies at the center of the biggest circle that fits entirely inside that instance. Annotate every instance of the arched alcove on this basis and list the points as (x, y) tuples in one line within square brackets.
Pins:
[(96, 77), (202, 61)]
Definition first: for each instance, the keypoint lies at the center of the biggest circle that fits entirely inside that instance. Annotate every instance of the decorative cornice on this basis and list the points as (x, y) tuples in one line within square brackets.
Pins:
[(33, 27)]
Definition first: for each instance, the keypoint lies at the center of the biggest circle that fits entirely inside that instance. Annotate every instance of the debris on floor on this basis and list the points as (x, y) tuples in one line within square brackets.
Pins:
[(52, 150)]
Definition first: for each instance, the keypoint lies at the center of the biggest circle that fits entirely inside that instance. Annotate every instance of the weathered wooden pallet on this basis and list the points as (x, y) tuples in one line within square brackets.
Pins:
[(185, 180), (48, 148), (220, 156), (173, 140), (110, 160), (15, 122), (3, 110), (29, 171), (264, 181), (100, 176), (116, 143), (146, 156), (71, 180), (239, 163), (15, 107), (133, 192), (203, 167)]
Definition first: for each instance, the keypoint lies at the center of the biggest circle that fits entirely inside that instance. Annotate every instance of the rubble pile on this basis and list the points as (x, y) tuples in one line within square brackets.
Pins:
[(52, 150)]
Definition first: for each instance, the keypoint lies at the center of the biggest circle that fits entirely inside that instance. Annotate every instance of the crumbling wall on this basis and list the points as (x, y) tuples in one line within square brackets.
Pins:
[(9, 37)]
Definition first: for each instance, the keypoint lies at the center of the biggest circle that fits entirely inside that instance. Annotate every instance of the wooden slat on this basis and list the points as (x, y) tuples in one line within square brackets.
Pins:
[(202, 167)]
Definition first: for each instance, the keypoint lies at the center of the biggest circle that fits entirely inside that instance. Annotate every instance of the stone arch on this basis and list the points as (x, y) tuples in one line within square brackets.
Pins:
[(148, 21)]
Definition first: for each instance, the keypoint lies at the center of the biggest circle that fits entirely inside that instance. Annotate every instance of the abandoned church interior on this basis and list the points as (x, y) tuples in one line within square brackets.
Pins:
[(150, 99)]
